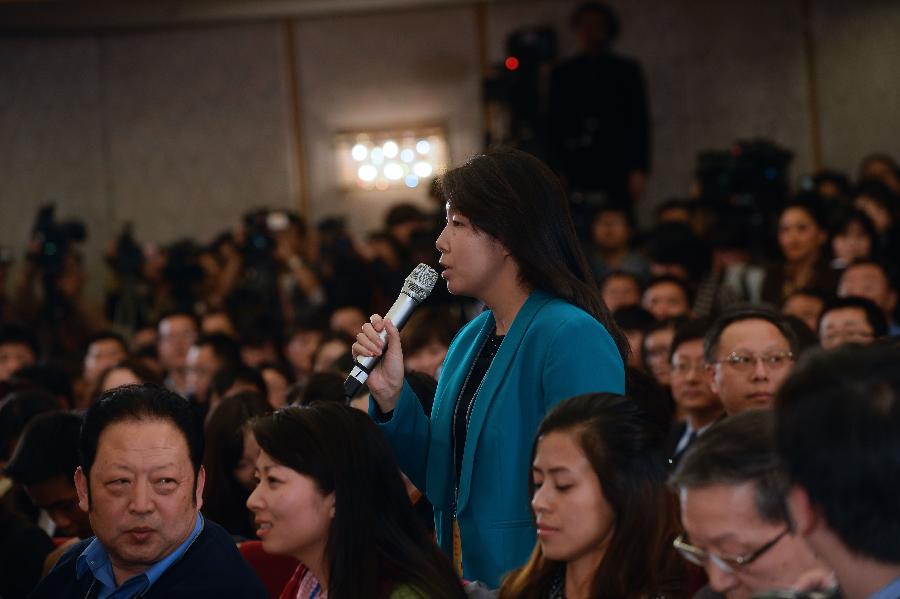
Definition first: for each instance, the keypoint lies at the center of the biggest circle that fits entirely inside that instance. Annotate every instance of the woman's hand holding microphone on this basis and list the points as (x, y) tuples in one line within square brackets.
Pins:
[(386, 378)]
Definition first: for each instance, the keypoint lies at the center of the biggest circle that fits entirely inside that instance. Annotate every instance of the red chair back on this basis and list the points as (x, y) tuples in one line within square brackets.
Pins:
[(274, 570)]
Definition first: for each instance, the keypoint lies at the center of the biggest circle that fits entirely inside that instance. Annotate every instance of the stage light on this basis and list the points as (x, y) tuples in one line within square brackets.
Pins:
[(423, 169), (400, 158), (512, 63), (359, 152), (393, 171)]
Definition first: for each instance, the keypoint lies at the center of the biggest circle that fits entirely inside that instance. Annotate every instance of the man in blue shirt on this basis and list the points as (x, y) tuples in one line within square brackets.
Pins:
[(838, 434), (141, 482)]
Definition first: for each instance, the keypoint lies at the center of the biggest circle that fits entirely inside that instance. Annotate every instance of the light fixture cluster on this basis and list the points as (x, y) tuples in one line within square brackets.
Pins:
[(391, 159)]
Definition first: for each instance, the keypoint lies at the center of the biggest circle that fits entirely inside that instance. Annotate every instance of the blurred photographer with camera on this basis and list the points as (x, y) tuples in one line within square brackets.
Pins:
[(48, 295)]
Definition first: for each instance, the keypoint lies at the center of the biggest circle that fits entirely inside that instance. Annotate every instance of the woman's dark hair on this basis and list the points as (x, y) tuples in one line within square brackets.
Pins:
[(515, 198), (322, 386), (847, 216), (810, 203), (624, 447), (137, 368), (375, 540), (224, 498), (17, 409)]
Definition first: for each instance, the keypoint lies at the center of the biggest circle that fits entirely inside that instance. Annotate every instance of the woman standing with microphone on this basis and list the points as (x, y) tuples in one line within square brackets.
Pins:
[(545, 336)]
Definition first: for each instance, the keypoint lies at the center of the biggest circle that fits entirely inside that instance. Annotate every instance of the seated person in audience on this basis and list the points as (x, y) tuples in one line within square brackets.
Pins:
[(696, 402), (177, 333), (838, 437), (878, 202), (667, 297), (141, 482), (610, 247), (50, 377), (301, 343), (229, 381), (278, 379), (426, 338), (130, 372), (748, 353), (229, 460), (330, 495), (147, 336), (257, 349), (217, 321), (104, 349), (620, 289), (323, 386), (334, 345), (851, 320), (604, 517), (853, 238), (347, 319), (208, 355), (634, 322), (675, 210), (734, 513), (18, 348), (44, 464), (657, 349), (24, 548), (880, 167), (831, 185), (16, 410), (802, 235), (805, 304), (869, 279)]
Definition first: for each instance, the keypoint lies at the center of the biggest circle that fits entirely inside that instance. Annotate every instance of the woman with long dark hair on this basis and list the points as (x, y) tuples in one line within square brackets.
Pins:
[(546, 335), (229, 459), (330, 495), (605, 518)]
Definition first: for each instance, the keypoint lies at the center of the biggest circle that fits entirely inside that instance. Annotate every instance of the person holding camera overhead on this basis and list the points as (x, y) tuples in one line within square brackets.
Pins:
[(545, 336)]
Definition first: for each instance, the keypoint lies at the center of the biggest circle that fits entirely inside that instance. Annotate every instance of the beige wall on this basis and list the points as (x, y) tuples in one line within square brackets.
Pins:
[(182, 129)]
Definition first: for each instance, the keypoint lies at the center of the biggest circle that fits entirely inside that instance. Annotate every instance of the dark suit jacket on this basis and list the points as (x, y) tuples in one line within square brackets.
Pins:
[(599, 123), (211, 567)]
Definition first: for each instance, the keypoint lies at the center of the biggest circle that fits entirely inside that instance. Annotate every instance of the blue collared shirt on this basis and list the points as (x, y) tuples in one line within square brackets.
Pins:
[(96, 559), (891, 591)]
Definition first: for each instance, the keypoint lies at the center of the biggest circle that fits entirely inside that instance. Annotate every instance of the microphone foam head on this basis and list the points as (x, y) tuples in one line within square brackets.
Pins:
[(420, 282)]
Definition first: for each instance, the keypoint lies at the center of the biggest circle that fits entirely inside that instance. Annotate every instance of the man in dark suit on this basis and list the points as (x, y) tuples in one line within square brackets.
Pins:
[(690, 389), (599, 124), (141, 482)]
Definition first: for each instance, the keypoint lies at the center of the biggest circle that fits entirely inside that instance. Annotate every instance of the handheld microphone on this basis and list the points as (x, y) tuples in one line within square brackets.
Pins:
[(416, 288)]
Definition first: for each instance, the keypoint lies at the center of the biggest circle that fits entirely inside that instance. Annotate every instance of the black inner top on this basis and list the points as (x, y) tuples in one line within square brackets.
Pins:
[(466, 400)]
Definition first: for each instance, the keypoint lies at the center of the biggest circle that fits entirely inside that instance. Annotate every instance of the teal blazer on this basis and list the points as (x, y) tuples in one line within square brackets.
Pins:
[(552, 351)]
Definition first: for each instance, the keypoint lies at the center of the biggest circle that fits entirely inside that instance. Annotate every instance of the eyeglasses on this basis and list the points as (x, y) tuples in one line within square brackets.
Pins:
[(729, 564), (847, 336), (742, 362), (686, 366)]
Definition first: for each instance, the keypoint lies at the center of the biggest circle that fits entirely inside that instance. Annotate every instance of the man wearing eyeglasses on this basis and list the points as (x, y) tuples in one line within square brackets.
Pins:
[(690, 389), (838, 436), (748, 353), (734, 512)]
